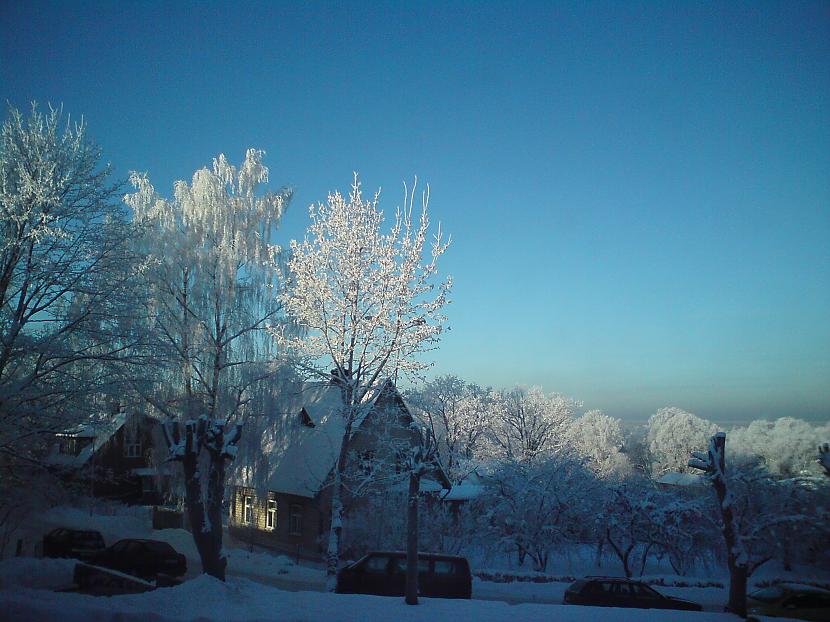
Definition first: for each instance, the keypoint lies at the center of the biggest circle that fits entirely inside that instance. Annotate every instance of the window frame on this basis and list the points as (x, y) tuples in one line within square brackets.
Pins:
[(271, 507), (248, 509), (295, 520)]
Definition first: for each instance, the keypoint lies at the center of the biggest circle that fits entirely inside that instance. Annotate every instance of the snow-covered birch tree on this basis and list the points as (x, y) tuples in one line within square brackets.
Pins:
[(64, 278), (211, 297), (370, 305)]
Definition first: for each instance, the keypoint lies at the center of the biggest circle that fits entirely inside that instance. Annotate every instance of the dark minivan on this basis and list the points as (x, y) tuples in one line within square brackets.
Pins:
[(384, 573)]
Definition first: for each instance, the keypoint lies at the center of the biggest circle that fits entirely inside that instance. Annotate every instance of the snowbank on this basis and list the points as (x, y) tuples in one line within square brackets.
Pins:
[(205, 599)]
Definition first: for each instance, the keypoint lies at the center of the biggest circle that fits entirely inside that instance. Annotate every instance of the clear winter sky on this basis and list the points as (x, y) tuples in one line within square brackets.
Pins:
[(638, 194)]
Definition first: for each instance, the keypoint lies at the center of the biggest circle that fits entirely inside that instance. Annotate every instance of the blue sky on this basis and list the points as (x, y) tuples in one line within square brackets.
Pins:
[(638, 194)]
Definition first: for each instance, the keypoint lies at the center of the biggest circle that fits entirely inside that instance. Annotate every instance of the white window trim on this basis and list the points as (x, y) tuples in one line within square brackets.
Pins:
[(271, 515), (248, 505)]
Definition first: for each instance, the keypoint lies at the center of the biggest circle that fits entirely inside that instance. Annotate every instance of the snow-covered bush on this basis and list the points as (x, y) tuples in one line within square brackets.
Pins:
[(534, 506)]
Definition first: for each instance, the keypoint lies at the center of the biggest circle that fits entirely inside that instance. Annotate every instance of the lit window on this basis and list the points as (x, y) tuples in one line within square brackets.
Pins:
[(248, 515), (271, 515), (295, 520)]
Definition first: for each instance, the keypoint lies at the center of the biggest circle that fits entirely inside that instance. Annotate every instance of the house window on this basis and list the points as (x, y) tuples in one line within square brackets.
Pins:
[(132, 448), (271, 515), (248, 515), (295, 520)]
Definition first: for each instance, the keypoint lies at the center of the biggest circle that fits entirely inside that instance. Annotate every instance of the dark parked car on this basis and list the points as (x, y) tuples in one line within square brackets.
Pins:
[(790, 600), (617, 592), (142, 558), (384, 573), (77, 543)]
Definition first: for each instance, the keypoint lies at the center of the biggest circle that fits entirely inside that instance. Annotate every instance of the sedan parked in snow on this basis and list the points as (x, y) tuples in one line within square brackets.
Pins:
[(790, 600), (142, 558), (618, 592)]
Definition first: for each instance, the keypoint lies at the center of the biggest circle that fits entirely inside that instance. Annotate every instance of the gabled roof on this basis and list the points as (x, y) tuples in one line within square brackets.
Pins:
[(99, 428), (303, 465), (305, 458)]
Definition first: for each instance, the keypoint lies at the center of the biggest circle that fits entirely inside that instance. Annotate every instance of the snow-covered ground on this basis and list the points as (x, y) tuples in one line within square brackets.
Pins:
[(265, 586), (205, 599)]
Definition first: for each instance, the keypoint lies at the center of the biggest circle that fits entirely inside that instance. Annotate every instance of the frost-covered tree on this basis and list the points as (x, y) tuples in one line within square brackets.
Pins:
[(713, 464), (534, 505), (599, 438), (755, 511), (369, 304), (786, 446), (64, 278), (671, 433), (528, 423), (210, 300), (457, 414)]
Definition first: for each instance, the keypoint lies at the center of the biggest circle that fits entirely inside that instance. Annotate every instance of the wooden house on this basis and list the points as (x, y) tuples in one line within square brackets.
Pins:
[(111, 456), (288, 509)]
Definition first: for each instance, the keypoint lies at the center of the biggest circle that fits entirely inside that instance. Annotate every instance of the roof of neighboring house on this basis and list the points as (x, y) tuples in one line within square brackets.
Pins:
[(463, 492), (674, 478), (99, 428), (303, 462)]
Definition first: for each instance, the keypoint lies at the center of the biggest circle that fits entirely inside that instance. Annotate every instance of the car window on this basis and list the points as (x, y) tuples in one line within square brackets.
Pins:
[(162, 548), (120, 547), (606, 587), (644, 590), (808, 601), (398, 565), (445, 567), (134, 548), (768, 594), (621, 588), (376, 563)]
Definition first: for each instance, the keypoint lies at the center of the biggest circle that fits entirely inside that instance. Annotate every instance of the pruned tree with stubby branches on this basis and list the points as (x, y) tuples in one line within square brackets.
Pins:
[(369, 304), (210, 298)]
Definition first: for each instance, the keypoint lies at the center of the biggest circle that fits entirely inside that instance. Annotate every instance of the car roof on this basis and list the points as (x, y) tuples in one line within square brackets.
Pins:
[(439, 556), (802, 587), (613, 579)]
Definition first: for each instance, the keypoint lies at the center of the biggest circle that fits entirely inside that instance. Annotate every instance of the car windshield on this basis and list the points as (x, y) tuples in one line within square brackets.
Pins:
[(159, 547), (768, 594)]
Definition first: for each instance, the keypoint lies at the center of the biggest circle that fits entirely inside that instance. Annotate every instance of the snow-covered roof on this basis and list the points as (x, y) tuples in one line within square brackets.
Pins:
[(674, 478), (303, 464), (98, 428), (463, 492)]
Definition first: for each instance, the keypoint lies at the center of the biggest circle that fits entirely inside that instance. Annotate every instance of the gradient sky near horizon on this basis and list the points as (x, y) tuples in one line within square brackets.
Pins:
[(638, 193)]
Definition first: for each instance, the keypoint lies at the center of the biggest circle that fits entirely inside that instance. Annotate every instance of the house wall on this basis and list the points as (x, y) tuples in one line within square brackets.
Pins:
[(305, 542), (108, 473)]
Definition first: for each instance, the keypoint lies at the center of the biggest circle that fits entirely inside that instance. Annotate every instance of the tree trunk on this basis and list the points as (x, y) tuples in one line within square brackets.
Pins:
[(335, 531), (338, 490), (737, 588), (412, 540), (206, 516)]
